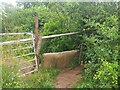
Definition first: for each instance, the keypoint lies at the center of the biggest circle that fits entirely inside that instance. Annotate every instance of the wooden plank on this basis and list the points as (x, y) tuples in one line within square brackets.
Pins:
[(16, 41), (29, 72), (58, 35), (80, 55), (27, 67), (24, 33), (36, 43)]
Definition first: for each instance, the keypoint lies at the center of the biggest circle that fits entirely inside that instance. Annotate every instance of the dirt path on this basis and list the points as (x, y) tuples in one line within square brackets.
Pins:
[(68, 77)]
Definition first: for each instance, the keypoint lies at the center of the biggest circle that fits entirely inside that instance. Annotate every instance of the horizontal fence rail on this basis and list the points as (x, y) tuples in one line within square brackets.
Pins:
[(23, 48), (25, 33), (16, 41), (29, 72), (30, 39), (24, 55), (28, 67), (58, 35), (26, 62)]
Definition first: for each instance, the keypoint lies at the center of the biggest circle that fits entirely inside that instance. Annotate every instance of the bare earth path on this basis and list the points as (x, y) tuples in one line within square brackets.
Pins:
[(68, 77)]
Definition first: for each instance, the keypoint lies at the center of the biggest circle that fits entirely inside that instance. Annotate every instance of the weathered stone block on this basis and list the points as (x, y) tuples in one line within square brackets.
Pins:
[(59, 59)]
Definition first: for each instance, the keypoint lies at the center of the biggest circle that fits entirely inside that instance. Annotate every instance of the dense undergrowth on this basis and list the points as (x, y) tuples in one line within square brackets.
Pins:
[(98, 24)]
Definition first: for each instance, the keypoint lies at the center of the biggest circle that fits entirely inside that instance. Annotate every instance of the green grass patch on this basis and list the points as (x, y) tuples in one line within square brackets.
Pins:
[(42, 79)]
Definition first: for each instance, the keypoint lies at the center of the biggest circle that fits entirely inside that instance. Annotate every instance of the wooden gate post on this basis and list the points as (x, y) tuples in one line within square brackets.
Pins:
[(80, 55), (36, 42)]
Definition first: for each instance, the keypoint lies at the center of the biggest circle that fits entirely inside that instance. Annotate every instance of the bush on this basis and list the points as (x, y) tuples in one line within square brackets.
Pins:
[(107, 75), (103, 75)]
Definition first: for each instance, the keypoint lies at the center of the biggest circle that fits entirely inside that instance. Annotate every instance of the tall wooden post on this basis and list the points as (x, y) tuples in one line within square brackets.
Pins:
[(80, 55), (36, 42)]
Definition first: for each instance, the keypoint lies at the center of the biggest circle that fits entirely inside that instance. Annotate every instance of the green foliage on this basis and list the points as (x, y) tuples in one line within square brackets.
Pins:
[(41, 79), (12, 79), (104, 75), (22, 23), (107, 74), (101, 50), (98, 27), (87, 81), (10, 76)]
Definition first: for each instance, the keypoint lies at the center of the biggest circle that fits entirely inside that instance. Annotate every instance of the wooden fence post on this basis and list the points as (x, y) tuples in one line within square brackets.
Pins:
[(36, 42), (80, 55)]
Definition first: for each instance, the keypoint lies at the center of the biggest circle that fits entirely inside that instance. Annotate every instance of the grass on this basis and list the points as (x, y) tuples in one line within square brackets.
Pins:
[(11, 78), (41, 79)]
